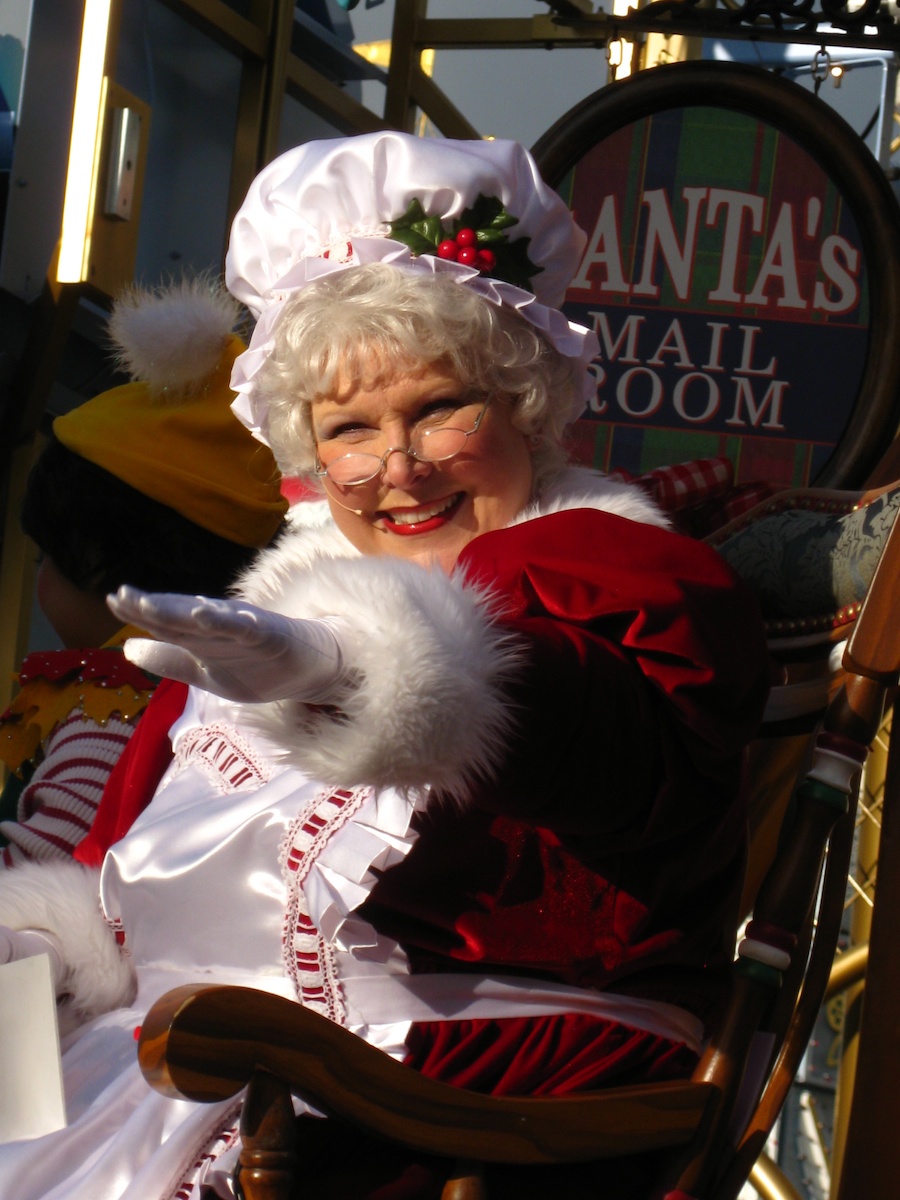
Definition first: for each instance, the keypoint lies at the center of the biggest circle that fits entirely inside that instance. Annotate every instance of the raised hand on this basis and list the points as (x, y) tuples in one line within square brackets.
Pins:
[(232, 648)]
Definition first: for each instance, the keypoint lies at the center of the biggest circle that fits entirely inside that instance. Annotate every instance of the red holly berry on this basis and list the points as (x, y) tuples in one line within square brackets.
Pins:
[(487, 260), (448, 249), (468, 256), (466, 237)]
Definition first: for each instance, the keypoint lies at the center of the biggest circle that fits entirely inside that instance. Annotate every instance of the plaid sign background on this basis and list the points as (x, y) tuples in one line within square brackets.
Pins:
[(766, 374)]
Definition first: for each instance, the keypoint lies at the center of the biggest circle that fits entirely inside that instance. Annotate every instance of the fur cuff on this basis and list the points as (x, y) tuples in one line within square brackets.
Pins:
[(63, 900), (429, 668), (432, 669)]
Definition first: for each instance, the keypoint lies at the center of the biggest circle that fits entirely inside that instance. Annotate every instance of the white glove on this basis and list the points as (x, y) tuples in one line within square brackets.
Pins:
[(232, 648), (16, 944)]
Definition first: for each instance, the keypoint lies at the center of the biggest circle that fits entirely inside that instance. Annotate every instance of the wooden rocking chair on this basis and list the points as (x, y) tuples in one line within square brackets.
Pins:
[(207, 1043)]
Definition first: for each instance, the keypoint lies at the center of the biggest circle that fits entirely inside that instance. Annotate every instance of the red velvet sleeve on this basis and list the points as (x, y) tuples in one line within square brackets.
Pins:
[(646, 670)]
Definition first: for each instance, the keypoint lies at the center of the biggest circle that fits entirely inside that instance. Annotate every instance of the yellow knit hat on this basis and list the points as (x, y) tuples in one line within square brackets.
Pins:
[(180, 443)]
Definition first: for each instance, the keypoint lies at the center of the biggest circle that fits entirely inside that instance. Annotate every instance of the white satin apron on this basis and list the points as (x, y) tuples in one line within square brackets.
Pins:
[(244, 872)]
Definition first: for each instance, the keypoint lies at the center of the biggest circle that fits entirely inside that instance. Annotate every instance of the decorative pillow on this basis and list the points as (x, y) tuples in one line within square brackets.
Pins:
[(809, 555)]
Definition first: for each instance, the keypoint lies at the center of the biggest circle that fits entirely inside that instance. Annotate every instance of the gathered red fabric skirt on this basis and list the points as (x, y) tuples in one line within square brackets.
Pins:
[(543, 1056), (516, 1056)]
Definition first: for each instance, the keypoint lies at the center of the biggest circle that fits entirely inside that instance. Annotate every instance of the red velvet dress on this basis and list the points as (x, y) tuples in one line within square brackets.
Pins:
[(609, 852)]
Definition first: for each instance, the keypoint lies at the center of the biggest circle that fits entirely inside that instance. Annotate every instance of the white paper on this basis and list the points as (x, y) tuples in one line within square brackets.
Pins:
[(31, 1089)]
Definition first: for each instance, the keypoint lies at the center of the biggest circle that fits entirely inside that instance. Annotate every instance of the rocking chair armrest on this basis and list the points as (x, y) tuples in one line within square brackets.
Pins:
[(205, 1042)]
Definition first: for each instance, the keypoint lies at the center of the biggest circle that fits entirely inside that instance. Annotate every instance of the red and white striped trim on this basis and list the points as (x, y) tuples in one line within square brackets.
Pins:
[(222, 1140), (225, 758), (118, 930), (309, 958)]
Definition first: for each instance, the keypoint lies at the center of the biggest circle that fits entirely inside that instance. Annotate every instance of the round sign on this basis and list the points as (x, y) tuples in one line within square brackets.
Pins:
[(742, 273)]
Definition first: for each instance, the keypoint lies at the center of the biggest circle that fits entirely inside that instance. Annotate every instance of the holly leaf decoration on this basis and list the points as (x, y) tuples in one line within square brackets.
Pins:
[(513, 264), (487, 213), (490, 221), (415, 229), (414, 213)]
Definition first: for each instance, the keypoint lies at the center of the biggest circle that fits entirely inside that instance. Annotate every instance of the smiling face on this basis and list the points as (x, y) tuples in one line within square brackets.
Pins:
[(426, 511)]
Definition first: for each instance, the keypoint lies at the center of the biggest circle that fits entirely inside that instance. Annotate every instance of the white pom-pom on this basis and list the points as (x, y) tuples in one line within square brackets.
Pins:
[(172, 337)]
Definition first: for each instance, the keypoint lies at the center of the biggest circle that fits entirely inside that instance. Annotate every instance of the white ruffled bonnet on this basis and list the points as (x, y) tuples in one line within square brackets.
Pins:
[(328, 205)]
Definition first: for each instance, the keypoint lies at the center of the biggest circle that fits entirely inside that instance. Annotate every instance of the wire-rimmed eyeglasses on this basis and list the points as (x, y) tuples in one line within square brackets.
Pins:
[(427, 445)]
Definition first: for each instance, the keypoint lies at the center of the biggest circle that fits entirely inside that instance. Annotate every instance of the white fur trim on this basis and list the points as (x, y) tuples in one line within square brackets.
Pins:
[(430, 667), (63, 899), (579, 487), (309, 514), (173, 337), (429, 670)]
